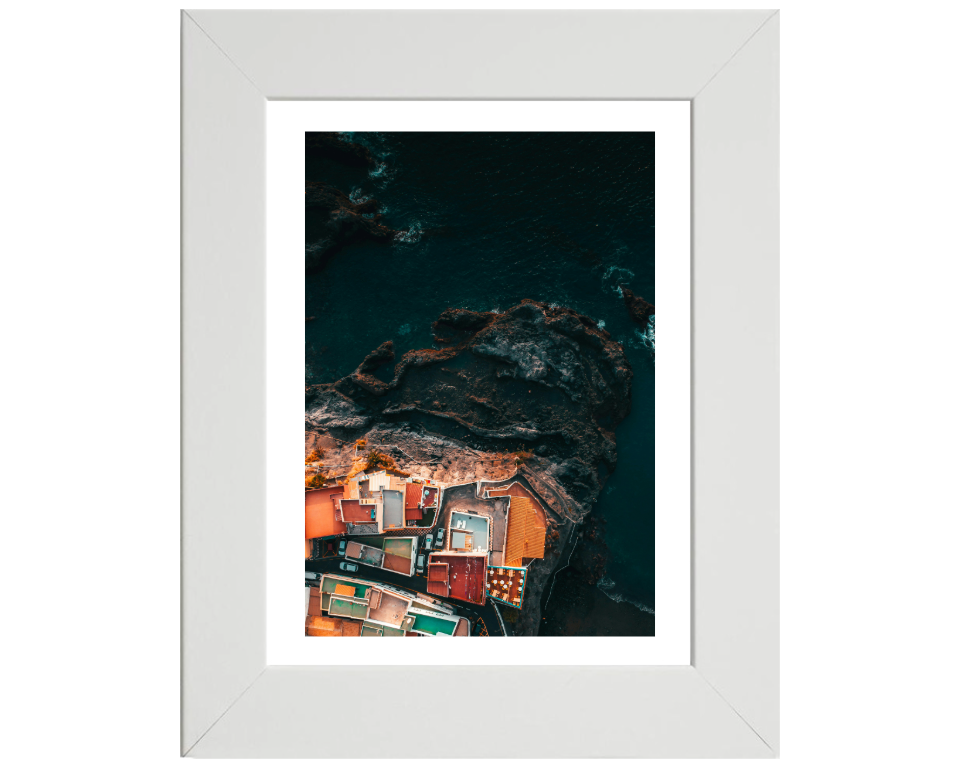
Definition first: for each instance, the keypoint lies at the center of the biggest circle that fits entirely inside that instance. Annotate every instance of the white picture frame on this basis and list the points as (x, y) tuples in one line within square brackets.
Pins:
[(726, 703)]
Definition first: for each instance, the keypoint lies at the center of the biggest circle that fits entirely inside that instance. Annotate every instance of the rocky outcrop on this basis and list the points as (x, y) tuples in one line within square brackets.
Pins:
[(540, 386), (333, 146), (333, 220), (639, 308), (536, 391)]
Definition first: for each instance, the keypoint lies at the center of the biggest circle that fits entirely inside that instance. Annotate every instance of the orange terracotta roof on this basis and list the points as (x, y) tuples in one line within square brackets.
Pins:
[(517, 489), (526, 535), (343, 589), (320, 516), (323, 626), (414, 494)]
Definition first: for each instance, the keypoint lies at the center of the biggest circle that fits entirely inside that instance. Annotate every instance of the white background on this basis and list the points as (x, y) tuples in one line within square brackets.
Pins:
[(869, 329), (286, 123)]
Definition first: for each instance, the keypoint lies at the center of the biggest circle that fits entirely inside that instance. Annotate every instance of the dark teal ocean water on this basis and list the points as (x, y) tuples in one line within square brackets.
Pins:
[(557, 217)]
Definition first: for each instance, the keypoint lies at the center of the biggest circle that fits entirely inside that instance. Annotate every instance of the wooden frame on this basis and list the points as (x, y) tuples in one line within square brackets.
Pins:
[(726, 704)]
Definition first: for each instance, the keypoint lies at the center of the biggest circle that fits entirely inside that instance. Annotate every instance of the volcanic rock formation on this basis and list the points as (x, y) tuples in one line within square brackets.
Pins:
[(535, 391), (333, 220), (639, 308)]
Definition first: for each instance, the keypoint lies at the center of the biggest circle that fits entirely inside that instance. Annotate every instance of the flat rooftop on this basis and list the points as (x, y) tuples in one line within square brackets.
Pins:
[(352, 511), (320, 512), (402, 547), (342, 606), (397, 564), (329, 584), (391, 610), (466, 578), (476, 526), (364, 554), (392, 509)]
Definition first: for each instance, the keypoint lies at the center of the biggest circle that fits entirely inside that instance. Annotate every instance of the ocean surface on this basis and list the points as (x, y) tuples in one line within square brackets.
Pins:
[(491, 219)]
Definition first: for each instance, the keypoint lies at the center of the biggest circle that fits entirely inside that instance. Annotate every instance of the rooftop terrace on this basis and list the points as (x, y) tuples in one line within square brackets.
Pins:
[(506, 585), (469, 532)]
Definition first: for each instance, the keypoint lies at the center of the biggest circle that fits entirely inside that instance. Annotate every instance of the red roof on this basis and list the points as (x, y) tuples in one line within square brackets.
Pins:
[(319, 513), (353, 511), (467, 576), (411, 508), (414, 492)]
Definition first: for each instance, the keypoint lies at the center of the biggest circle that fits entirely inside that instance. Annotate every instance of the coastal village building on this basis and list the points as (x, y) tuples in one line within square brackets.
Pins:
[(492, 533), (398, 554), (374, 504), (388, 502), (505, 585), (468, 532), (344, 606), (321, 517), (457, 575), (526, 525)]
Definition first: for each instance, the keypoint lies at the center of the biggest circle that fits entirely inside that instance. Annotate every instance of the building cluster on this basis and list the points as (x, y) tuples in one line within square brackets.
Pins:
[(469, 543), (342, 606)]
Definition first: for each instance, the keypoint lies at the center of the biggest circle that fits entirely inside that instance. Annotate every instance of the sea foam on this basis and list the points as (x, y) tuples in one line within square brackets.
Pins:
[(607, 585)]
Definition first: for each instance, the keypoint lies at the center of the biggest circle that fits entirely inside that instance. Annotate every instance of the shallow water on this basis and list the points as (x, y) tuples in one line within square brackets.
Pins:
[(491, 219)]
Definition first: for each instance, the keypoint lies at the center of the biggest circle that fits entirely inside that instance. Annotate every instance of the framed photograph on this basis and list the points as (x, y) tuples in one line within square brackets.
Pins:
[(496, 448)]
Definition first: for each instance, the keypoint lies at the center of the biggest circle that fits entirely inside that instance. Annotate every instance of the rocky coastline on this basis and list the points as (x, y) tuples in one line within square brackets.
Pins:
[(334, 221), (535, 392), (639, 308)]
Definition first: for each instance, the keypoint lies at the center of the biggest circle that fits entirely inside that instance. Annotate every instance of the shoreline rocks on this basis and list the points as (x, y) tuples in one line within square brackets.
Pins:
[(333, 220), (639, 308), (536, 390)]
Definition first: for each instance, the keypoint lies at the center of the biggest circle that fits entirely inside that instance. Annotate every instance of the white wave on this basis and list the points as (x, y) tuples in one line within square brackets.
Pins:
[(601, 324), (648, 337), (404, 329), (357, 196), (607, 584), (615, 275), (411, 235)]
